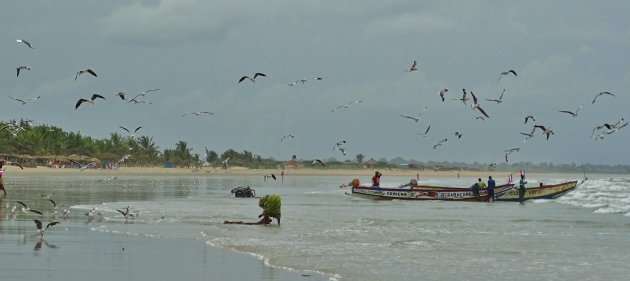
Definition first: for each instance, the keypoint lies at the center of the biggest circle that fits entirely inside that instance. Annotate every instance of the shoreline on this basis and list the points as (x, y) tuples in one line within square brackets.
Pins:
[(126, 257), (288, 172)]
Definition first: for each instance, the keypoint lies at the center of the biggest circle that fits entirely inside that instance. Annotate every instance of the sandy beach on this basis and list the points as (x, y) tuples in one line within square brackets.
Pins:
[(295, 171)]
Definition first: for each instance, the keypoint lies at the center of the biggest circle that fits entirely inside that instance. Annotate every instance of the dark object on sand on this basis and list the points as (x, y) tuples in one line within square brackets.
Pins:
[(244, 192)]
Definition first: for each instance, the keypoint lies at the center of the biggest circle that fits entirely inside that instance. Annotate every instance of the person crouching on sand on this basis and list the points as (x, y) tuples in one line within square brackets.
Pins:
[(271, 205)]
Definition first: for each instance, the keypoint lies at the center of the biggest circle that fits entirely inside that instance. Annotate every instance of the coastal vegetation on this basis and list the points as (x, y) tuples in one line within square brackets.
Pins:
[(46, 142)]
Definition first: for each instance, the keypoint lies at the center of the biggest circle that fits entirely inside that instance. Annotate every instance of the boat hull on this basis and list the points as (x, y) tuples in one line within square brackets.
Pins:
[(427, 193), (541, 192)]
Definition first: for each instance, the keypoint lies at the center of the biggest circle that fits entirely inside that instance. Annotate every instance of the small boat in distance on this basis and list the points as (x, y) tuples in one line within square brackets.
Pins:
[(540, 192), (425, 192)]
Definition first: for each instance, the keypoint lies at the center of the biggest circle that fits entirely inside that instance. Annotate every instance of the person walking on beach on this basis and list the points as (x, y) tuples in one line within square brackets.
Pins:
[(376, 179), (491, 186), (1, 174), (521, 189)]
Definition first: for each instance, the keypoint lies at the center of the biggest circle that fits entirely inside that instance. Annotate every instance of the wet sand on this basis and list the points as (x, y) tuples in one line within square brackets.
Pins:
[(71, 251)]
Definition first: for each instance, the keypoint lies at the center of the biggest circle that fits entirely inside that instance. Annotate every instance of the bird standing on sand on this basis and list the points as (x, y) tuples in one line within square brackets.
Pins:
[(87, 70), (91, 100), (250, 78)]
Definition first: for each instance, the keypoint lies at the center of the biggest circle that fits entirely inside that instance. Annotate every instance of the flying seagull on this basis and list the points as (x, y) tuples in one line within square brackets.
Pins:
[(124, 212), (252, 79), (528, 135), (476, 106), (440, 142), (546, 131), (443, 93), (529, 117), (40, 226), (414, 67), (345, 105), (12, 163), (87, 70), (25, 43), (132, 135), (458, 135), (25, 101), (26, 209), (510, 151), (425, 131), (463, 98), (91, 100), (602, 93), (411, 117), (302, 81), (20, 68), (122, 95), (134, 99), (500, 100), (286, 137), (504, 73), (573, 114), (339, 144), (81, 166), (269, 176), (197, 113), (317, 161)]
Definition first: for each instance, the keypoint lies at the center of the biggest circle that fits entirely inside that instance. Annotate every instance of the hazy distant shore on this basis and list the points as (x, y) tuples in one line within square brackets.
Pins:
[(288, 172)]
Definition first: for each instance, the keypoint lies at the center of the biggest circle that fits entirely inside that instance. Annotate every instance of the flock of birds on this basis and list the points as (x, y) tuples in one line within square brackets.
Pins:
[(466, 97)]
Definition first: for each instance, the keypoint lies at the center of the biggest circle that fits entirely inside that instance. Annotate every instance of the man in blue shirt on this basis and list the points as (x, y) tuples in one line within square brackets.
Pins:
[(491, 185)]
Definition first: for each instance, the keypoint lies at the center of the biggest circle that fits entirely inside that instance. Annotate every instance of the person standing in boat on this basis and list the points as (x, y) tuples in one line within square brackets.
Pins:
[(521, 189), (491, 186), (477, 187), (376, 179)]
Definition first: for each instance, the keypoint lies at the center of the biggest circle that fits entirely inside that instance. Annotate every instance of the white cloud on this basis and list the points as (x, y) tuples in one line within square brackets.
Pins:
[(409, 23), (170, 20)]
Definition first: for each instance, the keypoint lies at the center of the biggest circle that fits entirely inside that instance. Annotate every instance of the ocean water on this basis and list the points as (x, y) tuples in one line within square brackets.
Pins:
[(584, 235)]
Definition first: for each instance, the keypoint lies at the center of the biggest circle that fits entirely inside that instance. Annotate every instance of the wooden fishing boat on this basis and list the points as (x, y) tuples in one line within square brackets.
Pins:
[(424, 192), (551, 191)]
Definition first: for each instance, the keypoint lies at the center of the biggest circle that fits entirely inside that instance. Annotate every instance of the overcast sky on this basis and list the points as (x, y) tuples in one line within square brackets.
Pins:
[(565, 52)]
